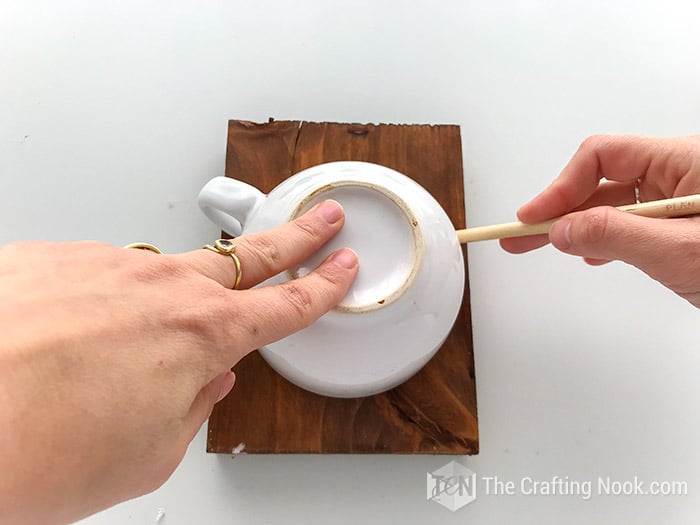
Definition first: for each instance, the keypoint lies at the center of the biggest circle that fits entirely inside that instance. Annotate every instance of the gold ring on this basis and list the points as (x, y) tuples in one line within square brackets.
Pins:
[(143, 246), (226, 247)]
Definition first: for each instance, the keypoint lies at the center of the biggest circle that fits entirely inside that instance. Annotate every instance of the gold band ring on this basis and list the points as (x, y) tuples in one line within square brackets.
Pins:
[(143, 246), (226, 247)]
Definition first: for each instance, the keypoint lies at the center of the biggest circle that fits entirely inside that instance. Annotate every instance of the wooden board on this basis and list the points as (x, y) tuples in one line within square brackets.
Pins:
[(434, 412)]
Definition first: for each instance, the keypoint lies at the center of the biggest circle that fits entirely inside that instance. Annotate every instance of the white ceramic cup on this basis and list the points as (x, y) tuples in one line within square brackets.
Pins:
[(408, 291)]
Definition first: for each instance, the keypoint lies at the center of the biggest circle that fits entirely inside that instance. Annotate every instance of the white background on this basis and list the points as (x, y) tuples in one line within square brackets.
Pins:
[(114, 114)]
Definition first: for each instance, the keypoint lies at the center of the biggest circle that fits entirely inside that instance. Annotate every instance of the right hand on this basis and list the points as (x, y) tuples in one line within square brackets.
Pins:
[(668, 250)]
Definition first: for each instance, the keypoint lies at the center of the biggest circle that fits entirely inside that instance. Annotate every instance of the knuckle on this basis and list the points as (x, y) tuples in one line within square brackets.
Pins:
[(563, 196), (332, 275), (203, 317), (267, 253), (210, 319), (593, 142), (298, 298), (155, 268), (594, 226), (307, 229)]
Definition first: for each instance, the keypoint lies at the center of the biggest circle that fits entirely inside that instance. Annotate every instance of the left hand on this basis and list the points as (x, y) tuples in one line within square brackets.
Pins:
[(111, 359)]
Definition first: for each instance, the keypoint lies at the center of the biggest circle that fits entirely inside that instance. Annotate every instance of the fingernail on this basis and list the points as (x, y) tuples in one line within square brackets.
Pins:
[(330, 210), (559, 234), (345, 258), (226, 386)]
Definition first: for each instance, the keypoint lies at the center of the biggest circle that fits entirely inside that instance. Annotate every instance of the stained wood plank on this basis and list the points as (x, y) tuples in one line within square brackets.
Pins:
[(434, 411)]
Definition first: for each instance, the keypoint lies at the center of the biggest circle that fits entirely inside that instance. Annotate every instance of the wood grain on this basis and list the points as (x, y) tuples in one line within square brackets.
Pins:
[(433, 412)]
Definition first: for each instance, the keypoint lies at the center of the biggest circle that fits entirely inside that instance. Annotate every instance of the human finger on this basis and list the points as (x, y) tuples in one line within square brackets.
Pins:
[(524, 244), (277, 311), (665, 249), (610, 193), (622, 158), (607, 193), (596, 262), (267, 253)]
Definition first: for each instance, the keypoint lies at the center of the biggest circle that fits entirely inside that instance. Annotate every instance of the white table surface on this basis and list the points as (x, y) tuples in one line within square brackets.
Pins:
[(113, 115)]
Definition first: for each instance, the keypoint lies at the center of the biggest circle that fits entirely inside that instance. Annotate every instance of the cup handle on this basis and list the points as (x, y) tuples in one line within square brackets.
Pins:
[(228, 203)]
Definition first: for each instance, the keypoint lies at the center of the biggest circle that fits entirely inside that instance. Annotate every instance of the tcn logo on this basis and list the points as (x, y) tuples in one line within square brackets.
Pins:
[(452, 486)]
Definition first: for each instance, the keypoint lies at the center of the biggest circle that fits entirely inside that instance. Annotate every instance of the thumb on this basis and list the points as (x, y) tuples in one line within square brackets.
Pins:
[(668, 250)]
